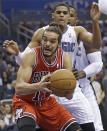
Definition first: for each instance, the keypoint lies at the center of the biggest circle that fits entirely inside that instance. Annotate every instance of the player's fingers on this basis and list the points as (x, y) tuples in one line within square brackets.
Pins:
[(46, 84), (47, 90), (5, 43), (43, 79), (13, 42), (74, 69), (46, 78), (95, 6), (75, 72)]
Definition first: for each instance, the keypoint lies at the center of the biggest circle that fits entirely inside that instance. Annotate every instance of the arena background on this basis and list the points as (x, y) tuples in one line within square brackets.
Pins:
[(18, 20)]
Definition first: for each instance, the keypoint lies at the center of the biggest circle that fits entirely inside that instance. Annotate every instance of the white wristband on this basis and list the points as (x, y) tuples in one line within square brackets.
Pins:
[(95, 65), (19, 57)]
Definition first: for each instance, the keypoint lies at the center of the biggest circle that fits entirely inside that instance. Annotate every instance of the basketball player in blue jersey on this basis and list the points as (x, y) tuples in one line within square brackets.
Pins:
[(88, 62), (79, 105)]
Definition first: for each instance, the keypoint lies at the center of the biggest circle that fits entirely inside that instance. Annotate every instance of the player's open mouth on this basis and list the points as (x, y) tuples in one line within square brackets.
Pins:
[(61, 20), (47, 50)]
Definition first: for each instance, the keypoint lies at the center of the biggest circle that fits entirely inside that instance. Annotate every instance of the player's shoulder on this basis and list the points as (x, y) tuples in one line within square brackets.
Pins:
[(79, 28), (29, 56), (69, 27)]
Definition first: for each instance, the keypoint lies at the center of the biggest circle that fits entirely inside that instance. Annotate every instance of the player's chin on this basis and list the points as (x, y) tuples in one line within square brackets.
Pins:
[(47, 54), (61, 23)]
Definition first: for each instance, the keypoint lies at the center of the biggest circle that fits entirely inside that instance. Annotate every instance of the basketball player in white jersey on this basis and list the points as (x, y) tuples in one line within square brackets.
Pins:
[(79, 105), (88, 62)]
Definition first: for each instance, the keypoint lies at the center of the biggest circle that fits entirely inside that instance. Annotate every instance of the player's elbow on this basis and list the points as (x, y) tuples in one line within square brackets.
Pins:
[(18, 87)]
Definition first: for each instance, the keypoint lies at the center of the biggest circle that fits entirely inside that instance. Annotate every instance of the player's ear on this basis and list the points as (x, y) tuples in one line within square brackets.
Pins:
[(52, 16), (42, 42), (77, 22)]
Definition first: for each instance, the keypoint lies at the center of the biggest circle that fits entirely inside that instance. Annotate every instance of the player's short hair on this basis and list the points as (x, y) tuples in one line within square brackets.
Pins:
[(54, 27), (70, 6), (60, 4)]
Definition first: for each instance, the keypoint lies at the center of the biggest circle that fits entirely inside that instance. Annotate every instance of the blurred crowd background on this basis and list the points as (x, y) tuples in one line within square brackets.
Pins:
[(18, 20)]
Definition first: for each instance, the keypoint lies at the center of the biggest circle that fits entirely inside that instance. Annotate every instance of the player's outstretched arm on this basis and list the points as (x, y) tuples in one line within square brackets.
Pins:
[(95, 66), (91, 39), (36, 38), (95, 15), (13, 48)]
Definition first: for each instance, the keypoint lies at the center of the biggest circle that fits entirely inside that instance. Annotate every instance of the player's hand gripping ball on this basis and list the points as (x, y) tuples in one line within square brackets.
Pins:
[(63, 82)]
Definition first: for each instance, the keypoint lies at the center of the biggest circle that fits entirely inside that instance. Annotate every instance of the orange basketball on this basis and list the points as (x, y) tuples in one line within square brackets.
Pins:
[(63, 82)]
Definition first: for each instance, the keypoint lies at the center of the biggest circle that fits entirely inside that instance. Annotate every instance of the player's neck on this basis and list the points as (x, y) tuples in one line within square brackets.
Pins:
[(50, 59), (64, 28)]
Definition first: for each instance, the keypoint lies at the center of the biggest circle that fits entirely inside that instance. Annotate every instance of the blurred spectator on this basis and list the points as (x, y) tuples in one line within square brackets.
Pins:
[(98, 88), (103, 106), (9, 92), (2, 123), (3, 64), (9, 117), (104, 50), (7, 78), (1, 81), (25, 24), (49, 6), (1, 88), (42, 23)]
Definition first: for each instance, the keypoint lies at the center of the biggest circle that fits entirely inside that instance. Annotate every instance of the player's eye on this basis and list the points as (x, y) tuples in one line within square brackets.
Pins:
[(53, 41), (64, 12)]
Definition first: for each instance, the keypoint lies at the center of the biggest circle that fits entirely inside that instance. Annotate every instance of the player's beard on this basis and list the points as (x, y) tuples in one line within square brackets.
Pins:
[(50, 57)]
